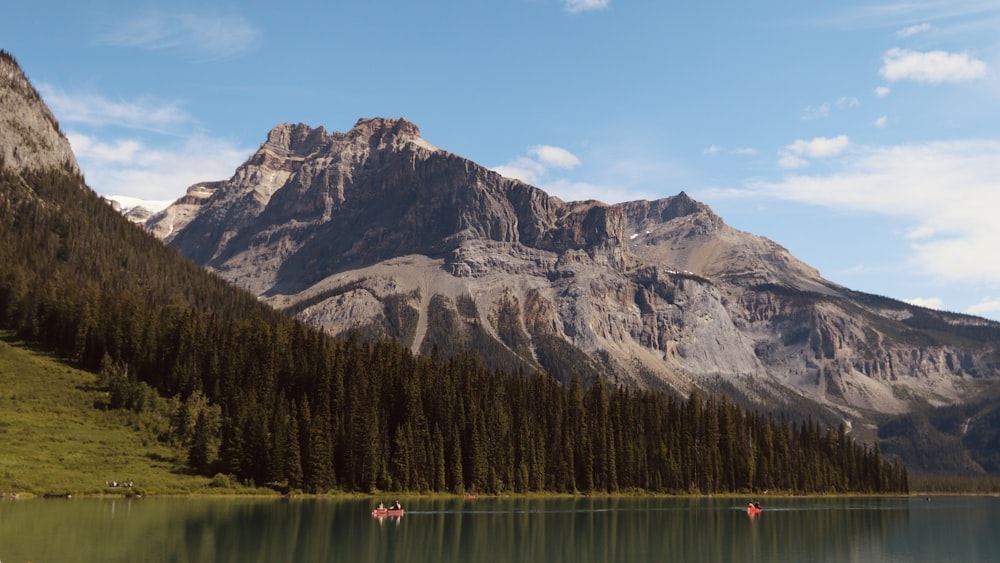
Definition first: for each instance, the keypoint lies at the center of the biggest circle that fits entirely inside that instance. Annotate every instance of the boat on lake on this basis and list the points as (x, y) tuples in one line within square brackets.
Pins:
[(381, 511)]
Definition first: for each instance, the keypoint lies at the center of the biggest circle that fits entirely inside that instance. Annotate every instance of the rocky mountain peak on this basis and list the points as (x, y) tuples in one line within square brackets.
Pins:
[(298, 140), (381, 134), (384, 127), (30, 137)]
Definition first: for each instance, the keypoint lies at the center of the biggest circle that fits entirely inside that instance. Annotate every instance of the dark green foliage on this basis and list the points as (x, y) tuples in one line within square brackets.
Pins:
[(401, 319), (563, 360), (454, 327), (268, 400), (507, 320), (962, 440)]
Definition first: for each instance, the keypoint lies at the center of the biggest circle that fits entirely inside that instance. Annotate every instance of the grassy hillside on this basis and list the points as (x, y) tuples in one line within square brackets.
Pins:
[(55, 441)]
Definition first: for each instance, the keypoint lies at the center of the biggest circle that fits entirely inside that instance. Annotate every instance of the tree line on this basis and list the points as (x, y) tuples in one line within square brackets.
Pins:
[(253, 393)]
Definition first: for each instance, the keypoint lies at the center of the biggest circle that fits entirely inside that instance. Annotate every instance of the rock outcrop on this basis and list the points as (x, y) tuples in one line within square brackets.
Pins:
[(30, 137)]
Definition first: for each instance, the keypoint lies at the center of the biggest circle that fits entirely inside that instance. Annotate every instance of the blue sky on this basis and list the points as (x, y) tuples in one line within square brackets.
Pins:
[(862, 136)]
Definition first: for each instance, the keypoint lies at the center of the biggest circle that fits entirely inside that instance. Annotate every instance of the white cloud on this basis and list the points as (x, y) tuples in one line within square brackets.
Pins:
[(522, 168), (928, 302), (92, 109), (202, 37), (712, 150), (536, 165), (745, 151), (575, 6), (948, 191), (567, 190), (913, 30), (789, 161), (985, 307), (811, 113), (554, 157), (820, 147), (158, 160), (882, 91), (793, 156), (933, 67), (847, 102), (130, 167), (881, 122)]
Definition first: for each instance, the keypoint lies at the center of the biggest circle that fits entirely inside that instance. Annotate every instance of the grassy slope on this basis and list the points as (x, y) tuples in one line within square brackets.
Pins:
[(53, 441)]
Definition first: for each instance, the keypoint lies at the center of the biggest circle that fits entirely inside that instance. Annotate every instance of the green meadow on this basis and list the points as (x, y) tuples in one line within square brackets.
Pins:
[(55, 440)]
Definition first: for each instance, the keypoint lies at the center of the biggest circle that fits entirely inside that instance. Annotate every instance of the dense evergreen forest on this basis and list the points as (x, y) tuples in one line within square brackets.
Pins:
[(252, 393)]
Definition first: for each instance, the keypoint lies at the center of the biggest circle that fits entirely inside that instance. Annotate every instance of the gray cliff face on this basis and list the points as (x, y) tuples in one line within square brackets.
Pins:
[(378, 230), (30, 138)]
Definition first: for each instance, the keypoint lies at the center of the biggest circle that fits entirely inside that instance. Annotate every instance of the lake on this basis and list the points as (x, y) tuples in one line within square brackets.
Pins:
[(581, 530)]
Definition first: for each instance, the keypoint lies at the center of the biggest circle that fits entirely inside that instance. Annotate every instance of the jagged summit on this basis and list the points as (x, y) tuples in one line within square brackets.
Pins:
[(381, 126), (301, 140), (30, 137), (298, 140)]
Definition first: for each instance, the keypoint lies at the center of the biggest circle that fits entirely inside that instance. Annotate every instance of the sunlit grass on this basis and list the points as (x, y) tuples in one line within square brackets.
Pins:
[(54, 441)]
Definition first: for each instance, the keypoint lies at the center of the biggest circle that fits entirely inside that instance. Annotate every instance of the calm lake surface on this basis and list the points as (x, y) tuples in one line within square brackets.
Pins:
[(525, 530)]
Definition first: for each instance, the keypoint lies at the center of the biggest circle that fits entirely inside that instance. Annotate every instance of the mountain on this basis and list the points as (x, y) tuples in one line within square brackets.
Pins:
[(211, 381), (378, 231)]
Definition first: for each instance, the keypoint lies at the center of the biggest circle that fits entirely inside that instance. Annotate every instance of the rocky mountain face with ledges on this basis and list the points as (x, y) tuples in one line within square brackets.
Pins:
[(376, 230), (30, 137)]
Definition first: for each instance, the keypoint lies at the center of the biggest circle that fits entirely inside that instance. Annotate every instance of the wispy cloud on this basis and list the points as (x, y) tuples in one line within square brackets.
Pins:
[(816, 112), (824, 109), (623, 176), (540, 160), (914, 15), (933, 67), (881, 122), (160, 155), (199, 36), (93, 109), (568, 190), (793, 156), (131, 167), (882, 91), (713, 150), (575, 6), (987, 306), (928, 302), (948, 191), (913, 30)]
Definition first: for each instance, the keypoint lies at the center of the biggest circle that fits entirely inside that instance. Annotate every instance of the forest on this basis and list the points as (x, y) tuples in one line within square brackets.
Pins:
[(250, 392)]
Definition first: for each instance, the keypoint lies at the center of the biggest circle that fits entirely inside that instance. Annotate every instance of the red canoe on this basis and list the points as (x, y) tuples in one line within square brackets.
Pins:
[(382, 512), (753, 510)]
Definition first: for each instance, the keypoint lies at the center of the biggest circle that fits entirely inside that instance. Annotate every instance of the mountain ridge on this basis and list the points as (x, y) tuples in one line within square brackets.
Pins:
[(376, 229)]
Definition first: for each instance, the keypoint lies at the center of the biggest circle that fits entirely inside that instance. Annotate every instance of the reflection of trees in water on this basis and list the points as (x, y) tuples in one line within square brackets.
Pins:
[(487, 530), (583, 530)]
